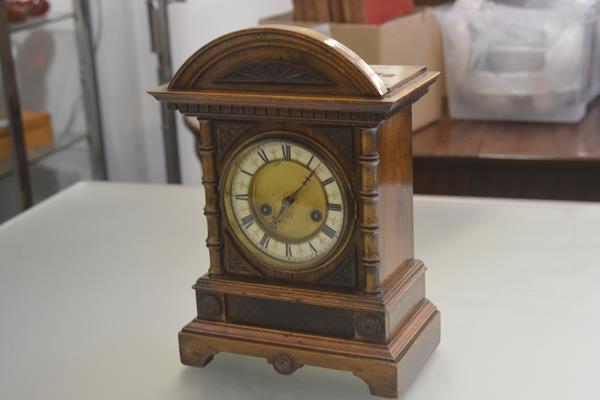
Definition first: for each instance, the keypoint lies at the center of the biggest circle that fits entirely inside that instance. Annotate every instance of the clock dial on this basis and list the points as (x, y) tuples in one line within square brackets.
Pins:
[(286, 203)]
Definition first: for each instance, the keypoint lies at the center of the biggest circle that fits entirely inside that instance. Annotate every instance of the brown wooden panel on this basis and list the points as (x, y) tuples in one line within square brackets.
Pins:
[(295, 317), (511, 140), (395, 207), (533, 179), (504, 159)]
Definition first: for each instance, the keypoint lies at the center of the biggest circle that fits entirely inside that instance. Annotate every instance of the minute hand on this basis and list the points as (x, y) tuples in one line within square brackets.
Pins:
[(292, 196)]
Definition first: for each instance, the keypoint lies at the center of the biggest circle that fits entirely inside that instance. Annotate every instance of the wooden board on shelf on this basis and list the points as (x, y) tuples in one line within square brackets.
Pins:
[(510, 159), (37, 129)]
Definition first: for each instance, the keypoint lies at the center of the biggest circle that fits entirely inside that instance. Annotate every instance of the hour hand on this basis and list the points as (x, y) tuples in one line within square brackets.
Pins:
[(289, 200), (285, 203)]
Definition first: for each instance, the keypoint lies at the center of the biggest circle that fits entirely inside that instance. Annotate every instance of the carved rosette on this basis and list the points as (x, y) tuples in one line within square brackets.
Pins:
[(284, 364), (368, 160), (206, 153), (209, 306), (369, 326)]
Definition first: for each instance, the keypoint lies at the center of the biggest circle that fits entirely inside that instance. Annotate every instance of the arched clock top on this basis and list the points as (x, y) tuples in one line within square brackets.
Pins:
[(278, 59)]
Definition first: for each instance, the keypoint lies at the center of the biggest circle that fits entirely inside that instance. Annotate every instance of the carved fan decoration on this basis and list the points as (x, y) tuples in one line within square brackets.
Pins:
[(275, 72)]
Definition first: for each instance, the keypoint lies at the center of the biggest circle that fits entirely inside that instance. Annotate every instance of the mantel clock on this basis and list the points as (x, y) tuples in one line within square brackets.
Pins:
[(307, 170)]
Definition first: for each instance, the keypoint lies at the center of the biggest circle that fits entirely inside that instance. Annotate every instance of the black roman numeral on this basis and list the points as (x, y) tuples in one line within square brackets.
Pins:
[(246, 172), (327, 230), (309, 161), (288, 250), (334, 207), (263, 155), (312, 248), (241, 197), (286, 149), (264, 242), (328, 181), (248, 220)]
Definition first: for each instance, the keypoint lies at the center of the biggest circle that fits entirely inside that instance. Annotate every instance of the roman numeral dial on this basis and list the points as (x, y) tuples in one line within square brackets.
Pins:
[(285, 203)]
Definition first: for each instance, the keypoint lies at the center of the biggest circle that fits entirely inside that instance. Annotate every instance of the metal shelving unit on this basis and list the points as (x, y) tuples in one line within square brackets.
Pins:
[(42, 152), (24, 159), (158, 20), (38, 22)]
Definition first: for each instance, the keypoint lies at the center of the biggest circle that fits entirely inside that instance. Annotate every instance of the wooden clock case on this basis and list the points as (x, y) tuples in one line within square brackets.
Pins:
[(365, 311)]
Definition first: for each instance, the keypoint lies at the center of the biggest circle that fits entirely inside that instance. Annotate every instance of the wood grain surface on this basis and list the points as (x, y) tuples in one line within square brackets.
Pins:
[(503, 159), (363, 308)]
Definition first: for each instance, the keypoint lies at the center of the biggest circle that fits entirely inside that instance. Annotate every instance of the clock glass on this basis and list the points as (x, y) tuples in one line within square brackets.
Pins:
[(285, 203)]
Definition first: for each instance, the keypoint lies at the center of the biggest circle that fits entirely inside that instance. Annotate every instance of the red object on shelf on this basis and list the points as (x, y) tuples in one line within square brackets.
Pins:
[(379, 11), (376, 11), (19, 11), (38, 7), (351, 11)]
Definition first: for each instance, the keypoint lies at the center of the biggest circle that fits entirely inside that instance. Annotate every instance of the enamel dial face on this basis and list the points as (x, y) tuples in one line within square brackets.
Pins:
[(285, 204)]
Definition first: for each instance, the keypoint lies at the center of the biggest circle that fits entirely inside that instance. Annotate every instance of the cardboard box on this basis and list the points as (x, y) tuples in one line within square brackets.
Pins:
[(410, 40)]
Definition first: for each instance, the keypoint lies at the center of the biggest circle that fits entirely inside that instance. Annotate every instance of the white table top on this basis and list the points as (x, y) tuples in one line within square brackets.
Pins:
[(95, 284)]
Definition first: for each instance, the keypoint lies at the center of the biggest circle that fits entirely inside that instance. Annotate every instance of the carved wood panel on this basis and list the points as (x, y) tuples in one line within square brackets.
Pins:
[(275, 72), (296, 317), (228, 132), (341, 138), (344, 275), (234, 263), (307, 115)]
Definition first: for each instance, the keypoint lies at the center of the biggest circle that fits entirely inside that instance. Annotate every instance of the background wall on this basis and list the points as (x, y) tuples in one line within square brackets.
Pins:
[(192, 25), (126, 69)]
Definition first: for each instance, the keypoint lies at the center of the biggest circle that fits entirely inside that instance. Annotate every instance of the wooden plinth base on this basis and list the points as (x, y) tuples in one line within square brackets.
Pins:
[(386, 368)]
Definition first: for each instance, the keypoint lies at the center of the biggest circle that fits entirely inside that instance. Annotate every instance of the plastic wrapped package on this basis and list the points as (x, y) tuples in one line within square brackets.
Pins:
[(520, 62)]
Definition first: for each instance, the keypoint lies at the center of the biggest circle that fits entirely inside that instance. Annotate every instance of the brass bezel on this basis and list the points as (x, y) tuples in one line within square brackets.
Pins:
[(246, 246)]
